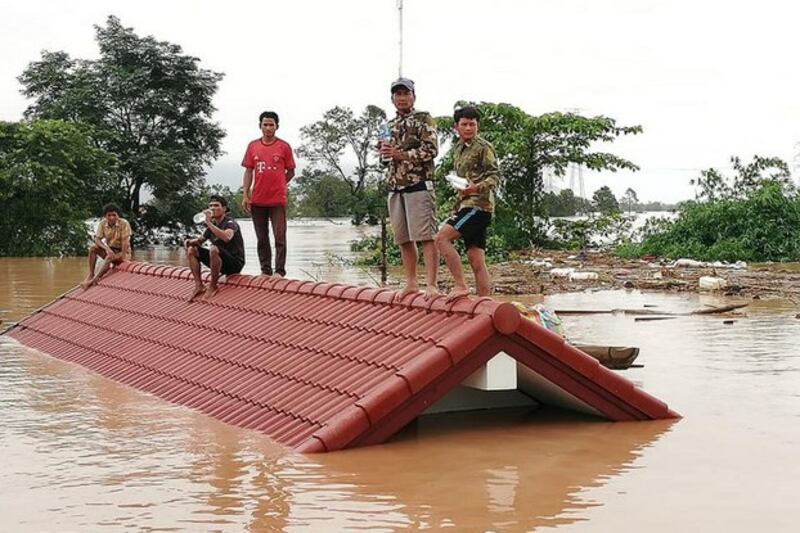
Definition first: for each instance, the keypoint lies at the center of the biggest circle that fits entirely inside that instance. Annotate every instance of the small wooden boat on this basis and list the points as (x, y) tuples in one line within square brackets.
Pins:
[(614, 357)]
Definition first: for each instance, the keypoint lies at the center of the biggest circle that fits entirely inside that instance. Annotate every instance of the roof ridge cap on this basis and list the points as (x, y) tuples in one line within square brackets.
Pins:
[(502, 312)]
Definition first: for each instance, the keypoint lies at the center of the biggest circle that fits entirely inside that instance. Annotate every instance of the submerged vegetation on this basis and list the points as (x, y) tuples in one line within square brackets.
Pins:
[(753, 215)]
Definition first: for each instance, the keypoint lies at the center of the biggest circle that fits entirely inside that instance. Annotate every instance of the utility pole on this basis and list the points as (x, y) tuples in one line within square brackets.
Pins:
[(400, 40)]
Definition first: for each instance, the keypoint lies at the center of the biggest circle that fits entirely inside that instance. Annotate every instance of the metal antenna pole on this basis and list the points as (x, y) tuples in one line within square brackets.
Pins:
[(400, 41)]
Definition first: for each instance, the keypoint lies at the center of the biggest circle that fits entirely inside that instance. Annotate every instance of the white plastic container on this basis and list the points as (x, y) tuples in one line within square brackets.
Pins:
[(457, 182), (583, 276), (710, 283)]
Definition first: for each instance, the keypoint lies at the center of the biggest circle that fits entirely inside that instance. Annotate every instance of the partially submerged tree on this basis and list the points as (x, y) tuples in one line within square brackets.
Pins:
[(629, 199), (751, 216), (321, 194), (605, 201), (566, 204), (527, 145), (342, 145), (51, 176), (147, 103)]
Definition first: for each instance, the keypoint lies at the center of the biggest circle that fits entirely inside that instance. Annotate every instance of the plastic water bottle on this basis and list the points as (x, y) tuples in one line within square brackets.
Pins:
[(384, 136), (200, 217)]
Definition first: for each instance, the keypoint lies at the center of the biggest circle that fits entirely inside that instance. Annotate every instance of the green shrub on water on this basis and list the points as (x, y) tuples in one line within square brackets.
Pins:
[(763, 226)]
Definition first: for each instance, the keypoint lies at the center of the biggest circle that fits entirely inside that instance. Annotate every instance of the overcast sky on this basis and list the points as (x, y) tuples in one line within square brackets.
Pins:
[(706, 79)]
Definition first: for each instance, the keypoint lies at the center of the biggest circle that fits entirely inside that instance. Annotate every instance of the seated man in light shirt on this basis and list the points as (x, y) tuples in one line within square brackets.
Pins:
[(111, 242)]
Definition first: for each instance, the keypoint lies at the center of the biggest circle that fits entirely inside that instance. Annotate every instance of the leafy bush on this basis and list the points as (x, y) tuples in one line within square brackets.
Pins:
[(764, 226), (593, 231)]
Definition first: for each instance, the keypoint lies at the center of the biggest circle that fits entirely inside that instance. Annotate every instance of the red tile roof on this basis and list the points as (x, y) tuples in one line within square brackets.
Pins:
[(316, 366)]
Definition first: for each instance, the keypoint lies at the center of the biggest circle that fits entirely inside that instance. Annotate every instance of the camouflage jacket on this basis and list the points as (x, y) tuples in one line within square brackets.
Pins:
[(477, 161), (415, 134)]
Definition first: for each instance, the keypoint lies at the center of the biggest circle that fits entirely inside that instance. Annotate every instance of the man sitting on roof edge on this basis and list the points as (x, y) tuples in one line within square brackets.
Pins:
[(226, 253), (111, 242)]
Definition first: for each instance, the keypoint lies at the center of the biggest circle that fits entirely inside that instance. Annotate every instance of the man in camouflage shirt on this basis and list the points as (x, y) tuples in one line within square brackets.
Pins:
[(410, 153), (474, 159)]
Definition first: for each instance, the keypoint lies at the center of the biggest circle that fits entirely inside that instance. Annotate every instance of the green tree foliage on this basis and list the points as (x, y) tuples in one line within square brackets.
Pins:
[(342, 145), (713, 185), (653, 206), (605, 201), (527, 145), (147, 103), (630, 199), (320, 194), (51, 176), (565, 204), (752, 216), (592, 231)]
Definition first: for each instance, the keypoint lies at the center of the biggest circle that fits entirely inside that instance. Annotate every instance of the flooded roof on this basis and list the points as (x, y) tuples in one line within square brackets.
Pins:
[(316, 366)]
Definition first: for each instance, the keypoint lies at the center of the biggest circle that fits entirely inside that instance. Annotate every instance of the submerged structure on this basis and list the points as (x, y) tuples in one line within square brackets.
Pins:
[(319, 366)]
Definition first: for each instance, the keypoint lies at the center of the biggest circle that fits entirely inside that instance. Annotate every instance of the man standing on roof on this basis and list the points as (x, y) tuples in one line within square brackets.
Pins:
[(112, 242), (226, 254), (474, 159), (269, 167), (412, 211)]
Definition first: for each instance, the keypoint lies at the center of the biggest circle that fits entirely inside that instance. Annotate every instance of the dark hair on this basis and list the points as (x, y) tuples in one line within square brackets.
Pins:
[(110, 208), (217, 198), (466, 112), (268, 114)]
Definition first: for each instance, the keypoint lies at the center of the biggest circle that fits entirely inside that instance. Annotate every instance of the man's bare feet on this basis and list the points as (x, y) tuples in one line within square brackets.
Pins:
[(210, 292), (277, 275), (399, 295), (457, 293), (88, 282), (431, 292), (198, 290)]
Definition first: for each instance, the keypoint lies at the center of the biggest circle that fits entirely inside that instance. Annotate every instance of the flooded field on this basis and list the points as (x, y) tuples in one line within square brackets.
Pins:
[(83, 453)]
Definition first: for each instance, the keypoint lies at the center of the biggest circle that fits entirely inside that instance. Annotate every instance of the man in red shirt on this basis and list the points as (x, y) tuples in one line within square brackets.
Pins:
[(269, 167)]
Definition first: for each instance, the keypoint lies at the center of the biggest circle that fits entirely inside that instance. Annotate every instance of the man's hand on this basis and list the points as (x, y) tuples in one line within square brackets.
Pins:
[(387, 150), (189, 242), (470, 190), (246, 202)]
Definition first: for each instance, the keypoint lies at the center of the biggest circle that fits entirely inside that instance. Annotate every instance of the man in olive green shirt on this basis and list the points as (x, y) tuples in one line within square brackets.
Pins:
[(474, 159), (111, 242)]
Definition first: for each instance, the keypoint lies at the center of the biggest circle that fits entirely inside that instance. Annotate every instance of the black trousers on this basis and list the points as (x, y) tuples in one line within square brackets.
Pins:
[(262, 216)]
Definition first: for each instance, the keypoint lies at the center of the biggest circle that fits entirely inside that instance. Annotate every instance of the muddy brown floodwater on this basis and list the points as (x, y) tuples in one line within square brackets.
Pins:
[(83, 453)]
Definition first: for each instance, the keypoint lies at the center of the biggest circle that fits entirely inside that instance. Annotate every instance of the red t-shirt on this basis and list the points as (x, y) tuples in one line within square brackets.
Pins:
[(269, 164)]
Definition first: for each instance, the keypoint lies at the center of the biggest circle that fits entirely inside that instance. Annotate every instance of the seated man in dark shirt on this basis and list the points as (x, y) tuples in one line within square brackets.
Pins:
[(226, 254)]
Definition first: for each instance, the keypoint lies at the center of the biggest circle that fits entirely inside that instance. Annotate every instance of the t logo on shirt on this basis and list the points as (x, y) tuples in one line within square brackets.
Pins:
[(260, 166)]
